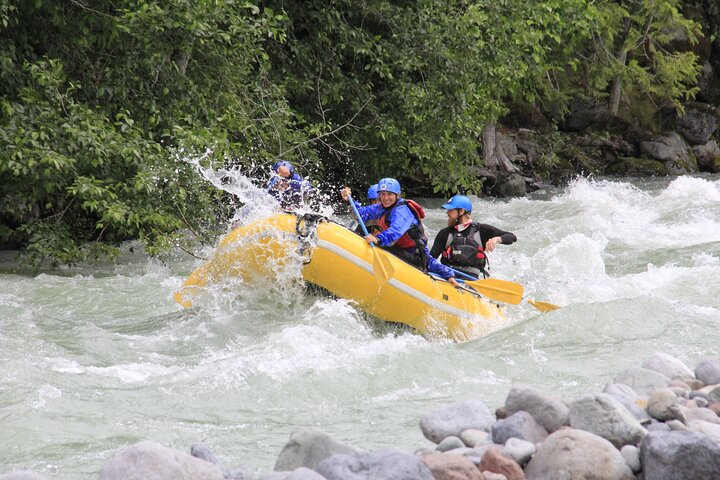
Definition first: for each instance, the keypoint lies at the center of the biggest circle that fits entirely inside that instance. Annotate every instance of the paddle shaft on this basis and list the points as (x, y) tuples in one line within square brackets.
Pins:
[(359, 218)]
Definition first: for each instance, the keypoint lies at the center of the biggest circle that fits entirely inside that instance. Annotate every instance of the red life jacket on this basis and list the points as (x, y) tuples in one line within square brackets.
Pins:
[(406, 241)]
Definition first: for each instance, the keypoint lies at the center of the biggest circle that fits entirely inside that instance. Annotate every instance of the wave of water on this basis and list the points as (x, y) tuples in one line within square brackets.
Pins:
[(97, 357)]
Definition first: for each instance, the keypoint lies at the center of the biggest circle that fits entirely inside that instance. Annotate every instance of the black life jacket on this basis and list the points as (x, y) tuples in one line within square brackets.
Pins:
[(464, 251)]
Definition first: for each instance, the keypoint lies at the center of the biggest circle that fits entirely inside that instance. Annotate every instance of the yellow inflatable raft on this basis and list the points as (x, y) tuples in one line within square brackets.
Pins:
[(336, 259)]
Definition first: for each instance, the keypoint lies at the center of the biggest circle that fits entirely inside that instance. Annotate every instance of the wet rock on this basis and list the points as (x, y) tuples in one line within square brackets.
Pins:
[(520, 425), (679, 456), (472, 437), (715, 407), (146, 460), (451, 467), (708, 156), (303, 473), (550, 413), (708, 370), (519, 450), (456, 418), (606, 417), (631, 454), (663, 405), (676, 425), (571, 454), (449, 443), (202, 451), (494, 461), (510, 185), (698, 123), (307, 447), (642, 380), (500, 413), (672, 150), (680, 386), (376, 465), (22, 475), (668, 365)]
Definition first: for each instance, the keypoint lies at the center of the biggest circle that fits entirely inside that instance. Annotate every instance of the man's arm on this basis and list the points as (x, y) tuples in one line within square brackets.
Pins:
[(440, 242)]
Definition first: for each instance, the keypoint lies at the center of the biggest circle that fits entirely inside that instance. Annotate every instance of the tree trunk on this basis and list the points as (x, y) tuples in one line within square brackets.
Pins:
[(616, 89), (493, 154)]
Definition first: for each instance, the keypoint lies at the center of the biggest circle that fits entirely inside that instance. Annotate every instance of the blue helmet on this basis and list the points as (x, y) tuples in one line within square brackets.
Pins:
[(389, 185), (373, 192), (282, 163), (459, 201)]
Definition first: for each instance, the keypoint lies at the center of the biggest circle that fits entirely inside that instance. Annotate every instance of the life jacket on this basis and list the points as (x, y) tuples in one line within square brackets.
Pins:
[(415, 237), (464, 251)]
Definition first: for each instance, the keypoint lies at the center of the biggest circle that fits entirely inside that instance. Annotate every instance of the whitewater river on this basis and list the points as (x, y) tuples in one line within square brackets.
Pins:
[(95, 358)]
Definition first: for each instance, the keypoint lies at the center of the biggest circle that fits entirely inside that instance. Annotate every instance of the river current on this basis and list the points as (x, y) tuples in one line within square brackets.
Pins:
[(97, 357)]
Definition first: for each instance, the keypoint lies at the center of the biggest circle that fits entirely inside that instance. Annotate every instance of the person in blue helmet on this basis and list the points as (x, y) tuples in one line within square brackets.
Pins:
[(464, 244), (287, 186), (401, 229)]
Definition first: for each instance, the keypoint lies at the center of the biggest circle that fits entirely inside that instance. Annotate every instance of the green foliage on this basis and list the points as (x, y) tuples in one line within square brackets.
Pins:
[(99, 100)]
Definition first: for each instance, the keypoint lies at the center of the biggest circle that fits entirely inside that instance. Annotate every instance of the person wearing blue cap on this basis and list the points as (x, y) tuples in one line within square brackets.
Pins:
[(286, 186), (464, 244), (372, 195), (401, 230)]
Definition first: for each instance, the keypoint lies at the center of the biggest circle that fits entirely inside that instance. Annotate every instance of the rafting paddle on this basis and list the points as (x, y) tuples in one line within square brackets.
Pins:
[(503, 291), (382, 268)]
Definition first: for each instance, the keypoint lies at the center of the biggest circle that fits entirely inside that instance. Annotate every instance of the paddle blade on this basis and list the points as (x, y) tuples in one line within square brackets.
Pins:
[(382, 267), (543, 306), (500, 290)]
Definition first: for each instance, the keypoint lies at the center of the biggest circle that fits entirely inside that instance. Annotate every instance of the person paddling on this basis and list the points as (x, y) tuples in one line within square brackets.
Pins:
[(286, 186), (464, 244), (401, 230)]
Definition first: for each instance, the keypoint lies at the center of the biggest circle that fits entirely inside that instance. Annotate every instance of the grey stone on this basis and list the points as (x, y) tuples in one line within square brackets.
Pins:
[(672, 150), (656, 426), (307, 447), (151, 461), (704, 414), (606, 417), (472, 437), (631, 454), (708, 156), (303, 473), (376, 465), (456, 418), (510, 186), (663, 405), (712, 430), (548, 412), (708, 370), (520, 425), (22, 475), (493, 476), (668, 365), (642, 380), (519, 450), (698, 123), (629, 399), (571, 454), (676, 425), (203, 452), (450, 443), (679, 456)]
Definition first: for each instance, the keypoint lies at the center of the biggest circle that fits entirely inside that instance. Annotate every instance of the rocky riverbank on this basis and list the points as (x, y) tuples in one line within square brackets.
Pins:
[(658, 421), (532, 149)]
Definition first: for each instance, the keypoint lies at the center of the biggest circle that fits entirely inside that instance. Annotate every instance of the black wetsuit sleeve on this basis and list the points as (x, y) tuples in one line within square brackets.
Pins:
[(439, 243), (488, 231)]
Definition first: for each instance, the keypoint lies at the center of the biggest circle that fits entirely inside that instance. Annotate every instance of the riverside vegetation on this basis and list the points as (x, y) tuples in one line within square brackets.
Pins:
[(654, 422), (101, 101)]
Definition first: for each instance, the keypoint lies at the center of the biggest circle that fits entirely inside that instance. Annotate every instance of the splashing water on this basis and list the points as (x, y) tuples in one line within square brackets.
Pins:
[(98, 357)]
